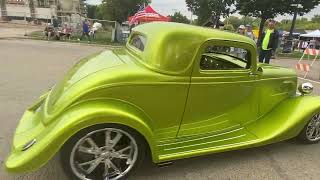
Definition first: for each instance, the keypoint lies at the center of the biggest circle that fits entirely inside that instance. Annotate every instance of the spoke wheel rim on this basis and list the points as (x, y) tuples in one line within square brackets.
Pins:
[(313, 128), (109, 158)]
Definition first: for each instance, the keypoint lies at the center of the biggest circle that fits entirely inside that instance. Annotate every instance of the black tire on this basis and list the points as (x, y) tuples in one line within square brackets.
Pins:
[(66, 150), (303, 138)]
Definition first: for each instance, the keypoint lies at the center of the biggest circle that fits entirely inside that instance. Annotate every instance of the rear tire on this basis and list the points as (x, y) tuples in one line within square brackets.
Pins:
[(102, 151), (311, 132)]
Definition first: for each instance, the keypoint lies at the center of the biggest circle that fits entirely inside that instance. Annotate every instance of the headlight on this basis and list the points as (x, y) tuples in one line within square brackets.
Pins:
[(306, 88)]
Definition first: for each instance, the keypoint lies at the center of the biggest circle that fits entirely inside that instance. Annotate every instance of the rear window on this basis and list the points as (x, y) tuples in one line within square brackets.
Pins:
[(138, 41)]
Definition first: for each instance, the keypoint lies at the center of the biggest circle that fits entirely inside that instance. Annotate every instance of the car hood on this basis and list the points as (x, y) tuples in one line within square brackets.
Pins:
[(83, 69)]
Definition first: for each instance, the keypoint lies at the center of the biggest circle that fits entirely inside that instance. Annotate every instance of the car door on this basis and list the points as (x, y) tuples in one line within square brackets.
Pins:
[(223, 95)]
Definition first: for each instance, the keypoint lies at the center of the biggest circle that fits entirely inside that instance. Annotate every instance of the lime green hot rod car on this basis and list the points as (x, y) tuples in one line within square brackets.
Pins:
[(175, 91)]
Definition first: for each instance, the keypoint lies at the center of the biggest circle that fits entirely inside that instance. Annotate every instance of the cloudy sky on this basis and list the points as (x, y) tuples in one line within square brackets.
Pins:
[(168, 7)]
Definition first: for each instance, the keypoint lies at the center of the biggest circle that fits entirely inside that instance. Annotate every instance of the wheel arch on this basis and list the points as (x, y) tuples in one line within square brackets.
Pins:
[(76, 118), (116, 112)]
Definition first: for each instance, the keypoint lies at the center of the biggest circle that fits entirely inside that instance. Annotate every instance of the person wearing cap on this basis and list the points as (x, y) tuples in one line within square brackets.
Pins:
[(49, 31), (268, 42), (239, 52), (249, 32), (242, 29)]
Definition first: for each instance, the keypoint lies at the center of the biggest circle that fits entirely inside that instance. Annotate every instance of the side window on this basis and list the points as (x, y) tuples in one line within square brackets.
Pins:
[(138, 41), (225, 58), (213, 63)]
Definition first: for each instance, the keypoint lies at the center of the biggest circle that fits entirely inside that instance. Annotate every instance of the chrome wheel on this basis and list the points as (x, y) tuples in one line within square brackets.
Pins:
[(313, 128), (107, 154)]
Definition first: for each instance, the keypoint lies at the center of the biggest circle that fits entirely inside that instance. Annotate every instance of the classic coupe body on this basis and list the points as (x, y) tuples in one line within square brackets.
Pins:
[(175, 91)]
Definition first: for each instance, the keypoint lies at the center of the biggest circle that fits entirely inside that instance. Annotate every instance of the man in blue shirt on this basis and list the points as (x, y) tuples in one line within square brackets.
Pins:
[(85, 30)]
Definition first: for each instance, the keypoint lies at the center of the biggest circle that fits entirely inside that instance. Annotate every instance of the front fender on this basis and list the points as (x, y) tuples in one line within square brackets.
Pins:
[(49, 139), (286, 120)]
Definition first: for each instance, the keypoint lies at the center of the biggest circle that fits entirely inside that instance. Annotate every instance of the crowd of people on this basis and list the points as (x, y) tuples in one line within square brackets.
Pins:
[(267, 44), (64, 31)]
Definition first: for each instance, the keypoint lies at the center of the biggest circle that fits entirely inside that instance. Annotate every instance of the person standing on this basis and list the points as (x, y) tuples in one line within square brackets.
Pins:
[(249, 32), (85, 30), (242, 30), (55, 24), (268, 42), (239, 52)]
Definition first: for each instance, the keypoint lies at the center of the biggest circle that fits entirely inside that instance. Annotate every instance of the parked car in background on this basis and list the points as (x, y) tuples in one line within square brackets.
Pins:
[(175, 91), (125, 31)]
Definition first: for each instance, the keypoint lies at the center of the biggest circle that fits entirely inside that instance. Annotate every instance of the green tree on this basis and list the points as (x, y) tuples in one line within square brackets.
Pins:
[(195, 22), (269, 9), (206, 9), (301, 23), (228, 27), (236, 21), (233, 20), (180, 18), (91, 11), (119, 10), (316, 19)]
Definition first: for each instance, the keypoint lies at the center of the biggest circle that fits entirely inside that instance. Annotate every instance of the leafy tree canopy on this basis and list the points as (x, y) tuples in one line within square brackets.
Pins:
[(204, 9), (180, 18), (272, 8), (316, 19), (91, 11), (119, 10), (265, 9), (244, 20), (301, 23), (229, 27)]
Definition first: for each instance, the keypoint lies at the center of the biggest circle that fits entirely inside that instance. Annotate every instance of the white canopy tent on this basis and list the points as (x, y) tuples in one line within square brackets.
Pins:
[(314, 34)]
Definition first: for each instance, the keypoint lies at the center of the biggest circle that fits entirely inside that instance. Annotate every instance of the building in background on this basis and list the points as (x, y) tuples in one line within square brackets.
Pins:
[(40, 9)]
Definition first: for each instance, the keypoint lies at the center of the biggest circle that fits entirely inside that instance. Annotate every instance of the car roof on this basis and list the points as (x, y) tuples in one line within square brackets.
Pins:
[(171, 47), (156, 28)]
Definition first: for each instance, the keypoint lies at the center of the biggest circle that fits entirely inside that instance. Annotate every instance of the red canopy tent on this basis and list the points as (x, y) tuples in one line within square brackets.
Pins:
[(148, 14)]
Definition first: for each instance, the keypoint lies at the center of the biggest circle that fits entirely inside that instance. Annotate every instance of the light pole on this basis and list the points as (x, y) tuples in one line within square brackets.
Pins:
[(288, 46), (298, 6)]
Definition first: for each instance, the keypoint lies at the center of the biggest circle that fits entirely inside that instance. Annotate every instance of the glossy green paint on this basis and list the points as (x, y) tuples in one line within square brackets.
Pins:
[(179, 109)]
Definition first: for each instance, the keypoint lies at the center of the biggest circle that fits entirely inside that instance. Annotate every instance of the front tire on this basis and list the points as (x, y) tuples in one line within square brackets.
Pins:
[(311, 132), (103, 152)]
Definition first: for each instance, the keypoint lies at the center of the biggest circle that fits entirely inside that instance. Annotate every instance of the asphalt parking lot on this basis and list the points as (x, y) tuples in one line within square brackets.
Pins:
[(27, 68)]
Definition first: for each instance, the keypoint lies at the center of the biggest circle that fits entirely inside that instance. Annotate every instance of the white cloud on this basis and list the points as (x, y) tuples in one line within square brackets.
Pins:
[(168, 7)]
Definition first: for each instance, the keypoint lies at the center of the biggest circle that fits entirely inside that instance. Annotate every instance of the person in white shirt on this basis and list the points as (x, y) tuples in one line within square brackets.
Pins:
[(95, 27)]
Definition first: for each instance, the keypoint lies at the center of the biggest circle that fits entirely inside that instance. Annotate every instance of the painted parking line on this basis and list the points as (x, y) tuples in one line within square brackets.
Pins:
[(317, 82)]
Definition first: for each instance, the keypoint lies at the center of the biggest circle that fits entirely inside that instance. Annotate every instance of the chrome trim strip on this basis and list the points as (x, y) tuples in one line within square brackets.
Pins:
[(28, 145), (236, 137), (201, 138)]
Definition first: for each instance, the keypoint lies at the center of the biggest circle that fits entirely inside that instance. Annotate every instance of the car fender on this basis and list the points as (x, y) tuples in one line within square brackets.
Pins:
[(77, 117)]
